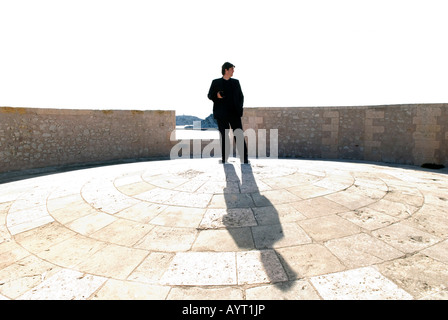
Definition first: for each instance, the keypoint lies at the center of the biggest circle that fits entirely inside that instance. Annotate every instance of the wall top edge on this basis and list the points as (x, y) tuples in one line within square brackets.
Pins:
[(28, 110), (356, 107)]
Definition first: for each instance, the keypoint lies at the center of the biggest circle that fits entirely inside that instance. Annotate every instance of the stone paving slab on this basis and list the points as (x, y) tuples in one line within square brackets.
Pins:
[(197, 229)]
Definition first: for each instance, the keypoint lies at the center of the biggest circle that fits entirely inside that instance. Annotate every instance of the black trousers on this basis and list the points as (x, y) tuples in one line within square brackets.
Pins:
[(226, 124)]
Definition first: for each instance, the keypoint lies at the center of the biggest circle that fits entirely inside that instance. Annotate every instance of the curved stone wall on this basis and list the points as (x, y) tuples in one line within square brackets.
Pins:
[(405, 134), (36, 138)]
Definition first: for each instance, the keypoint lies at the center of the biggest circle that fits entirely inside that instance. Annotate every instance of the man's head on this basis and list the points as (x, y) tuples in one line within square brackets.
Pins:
[(227, 67)]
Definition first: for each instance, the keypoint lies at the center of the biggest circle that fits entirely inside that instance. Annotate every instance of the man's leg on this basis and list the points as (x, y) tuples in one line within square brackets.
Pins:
[(223, 125), (235, 123)]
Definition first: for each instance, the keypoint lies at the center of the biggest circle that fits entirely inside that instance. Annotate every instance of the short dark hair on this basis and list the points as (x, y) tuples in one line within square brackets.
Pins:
[(225, 66)]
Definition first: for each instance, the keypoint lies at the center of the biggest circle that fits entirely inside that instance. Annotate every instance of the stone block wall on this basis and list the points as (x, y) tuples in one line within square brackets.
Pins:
[(406, 134), (35, 138)]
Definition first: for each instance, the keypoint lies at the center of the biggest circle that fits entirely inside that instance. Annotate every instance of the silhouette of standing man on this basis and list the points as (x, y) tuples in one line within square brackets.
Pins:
[(228, 103)]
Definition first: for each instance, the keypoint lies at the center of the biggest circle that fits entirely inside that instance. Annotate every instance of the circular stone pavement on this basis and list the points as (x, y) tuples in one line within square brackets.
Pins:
[(197, 229)]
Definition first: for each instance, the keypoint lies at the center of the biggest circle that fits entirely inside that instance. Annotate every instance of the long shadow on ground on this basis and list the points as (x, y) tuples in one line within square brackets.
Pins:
[(241, 223)]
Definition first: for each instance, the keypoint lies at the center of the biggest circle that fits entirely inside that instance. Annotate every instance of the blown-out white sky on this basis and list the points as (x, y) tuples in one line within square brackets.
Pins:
[(137, 54)]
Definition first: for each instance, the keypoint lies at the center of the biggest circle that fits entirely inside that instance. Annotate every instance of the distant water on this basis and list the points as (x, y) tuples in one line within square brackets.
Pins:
[(191, 134)]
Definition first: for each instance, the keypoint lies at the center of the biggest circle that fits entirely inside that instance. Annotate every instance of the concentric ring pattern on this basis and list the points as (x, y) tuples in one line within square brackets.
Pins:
[(197, 229)]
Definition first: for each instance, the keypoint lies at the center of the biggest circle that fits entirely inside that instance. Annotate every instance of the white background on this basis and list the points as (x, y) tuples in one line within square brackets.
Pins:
[(164, 54)]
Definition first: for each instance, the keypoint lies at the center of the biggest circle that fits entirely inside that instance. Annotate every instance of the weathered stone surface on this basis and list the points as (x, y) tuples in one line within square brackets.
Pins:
[(406, 134), (36, 138), (195, 229)]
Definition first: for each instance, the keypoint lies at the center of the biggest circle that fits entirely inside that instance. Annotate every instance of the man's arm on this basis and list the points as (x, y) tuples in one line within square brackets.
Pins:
[(241, 94), (213, 92), (241, 98)]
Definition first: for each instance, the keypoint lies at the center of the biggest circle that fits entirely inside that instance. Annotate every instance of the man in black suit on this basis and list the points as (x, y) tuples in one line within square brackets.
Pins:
[(228, 103)]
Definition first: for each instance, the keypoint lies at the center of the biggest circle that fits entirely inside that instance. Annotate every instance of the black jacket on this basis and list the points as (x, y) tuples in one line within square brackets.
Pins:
[(230, 106)]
